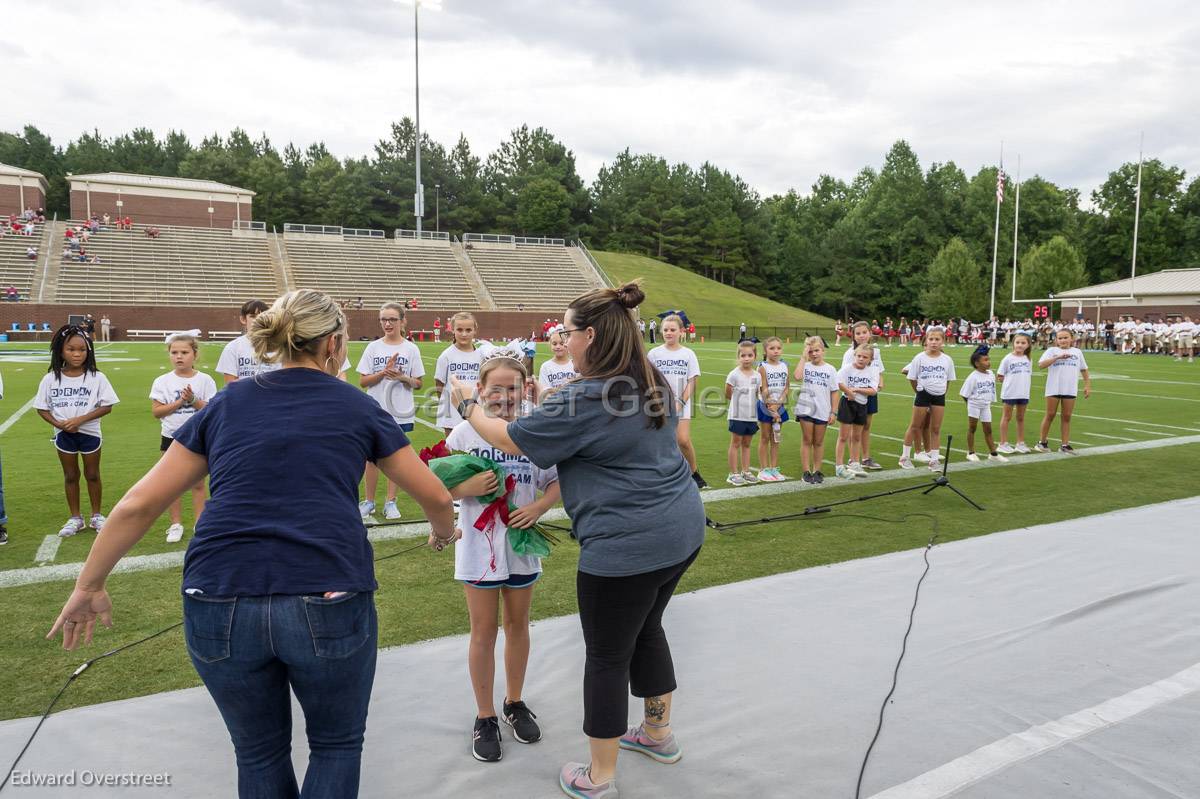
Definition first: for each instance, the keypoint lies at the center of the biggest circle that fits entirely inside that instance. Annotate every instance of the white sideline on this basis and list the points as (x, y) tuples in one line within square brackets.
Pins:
[(47, 551), (165, 560), (16, 417), (975, 766)]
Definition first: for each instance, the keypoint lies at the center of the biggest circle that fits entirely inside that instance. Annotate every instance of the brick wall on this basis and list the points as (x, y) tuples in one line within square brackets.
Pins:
[(1153, 313), (497, 324), (10, 199), (146, 210)]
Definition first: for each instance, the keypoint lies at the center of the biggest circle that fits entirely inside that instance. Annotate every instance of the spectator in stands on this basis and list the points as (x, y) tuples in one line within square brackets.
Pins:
[(127, 224), (106, 221), (41, 215), (520, 306), (152, 232), (31, 253), (437, 328), (358, 303), (12, 294), (105, 328), (416, 304), (66, 253)]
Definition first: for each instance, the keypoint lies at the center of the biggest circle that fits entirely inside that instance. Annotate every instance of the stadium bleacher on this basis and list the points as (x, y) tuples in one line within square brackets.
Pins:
[(529, 275), (380, 270), (17, 269), (181, 266)]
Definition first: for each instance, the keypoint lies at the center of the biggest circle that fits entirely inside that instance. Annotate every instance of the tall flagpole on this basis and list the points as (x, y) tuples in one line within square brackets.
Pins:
[(996, 234), (1137, 213), (1016, 218)]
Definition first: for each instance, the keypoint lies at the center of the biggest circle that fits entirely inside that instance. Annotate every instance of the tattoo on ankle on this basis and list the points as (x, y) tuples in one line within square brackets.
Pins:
[(656, 708)]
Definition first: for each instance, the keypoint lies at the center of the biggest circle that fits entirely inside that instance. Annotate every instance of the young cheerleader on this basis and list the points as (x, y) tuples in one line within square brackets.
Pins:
[(1064, 364), (772, 409), (930, 374), (861, 336), (460, 360), (1015, 375), (839, 330), (72, 397), (560, 368), (814, 407), (979, 390), (679, 365), (742, 388), (905, 331), (175, 397), (858, 381), (390, 369), (490, 569), (237, 360)]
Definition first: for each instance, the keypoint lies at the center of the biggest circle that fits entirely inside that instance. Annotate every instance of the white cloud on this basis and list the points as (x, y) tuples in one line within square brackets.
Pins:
[(775, 91)]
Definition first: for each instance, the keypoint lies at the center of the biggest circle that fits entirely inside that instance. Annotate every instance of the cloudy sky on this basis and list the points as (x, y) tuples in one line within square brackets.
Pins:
[(778, 91)]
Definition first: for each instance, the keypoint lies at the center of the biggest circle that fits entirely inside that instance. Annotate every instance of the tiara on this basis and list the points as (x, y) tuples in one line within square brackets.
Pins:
[(513, 350)]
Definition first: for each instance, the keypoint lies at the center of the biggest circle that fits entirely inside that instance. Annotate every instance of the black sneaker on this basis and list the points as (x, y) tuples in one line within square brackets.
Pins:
[(1067, 448), (521, 719), (3, 535), (485, 744), (700, 482), (818, 477), (807, 477)]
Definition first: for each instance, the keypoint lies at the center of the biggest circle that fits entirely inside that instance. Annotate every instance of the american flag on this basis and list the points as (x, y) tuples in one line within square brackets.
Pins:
[(1000, 186)]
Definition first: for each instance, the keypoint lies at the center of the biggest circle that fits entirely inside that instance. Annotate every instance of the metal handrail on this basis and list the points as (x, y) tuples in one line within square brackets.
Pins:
[(488, 238), (539, 241), (424, 235), (608, 281), (327, 230), (362, 233)]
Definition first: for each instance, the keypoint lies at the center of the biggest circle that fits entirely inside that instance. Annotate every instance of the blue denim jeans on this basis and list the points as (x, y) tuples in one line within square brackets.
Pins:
[(3, 514), (250, 650)]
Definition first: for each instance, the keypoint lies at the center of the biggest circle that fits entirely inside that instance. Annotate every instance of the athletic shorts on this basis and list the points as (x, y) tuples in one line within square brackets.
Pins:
[(408, 428), (926, 400), (872, 404), (1061, 396), (812, 420), (851, 412), (1185, 340), (1016, 401), (742, 428), (165, 443), (764, 417), (512, 581), (981, 412), (76, 443)]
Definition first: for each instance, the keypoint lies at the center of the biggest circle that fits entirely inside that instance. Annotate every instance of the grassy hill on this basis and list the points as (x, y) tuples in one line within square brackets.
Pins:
[(707, 302)]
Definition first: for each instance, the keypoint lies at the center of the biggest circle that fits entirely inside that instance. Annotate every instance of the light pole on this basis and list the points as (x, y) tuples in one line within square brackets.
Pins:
[(437, 207), (419, 193)]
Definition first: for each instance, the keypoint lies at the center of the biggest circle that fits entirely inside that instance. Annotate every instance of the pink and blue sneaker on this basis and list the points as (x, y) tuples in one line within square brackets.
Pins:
[(575, 781), (665, 751)]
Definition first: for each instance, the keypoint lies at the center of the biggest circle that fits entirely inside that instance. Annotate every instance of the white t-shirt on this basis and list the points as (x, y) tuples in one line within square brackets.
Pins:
[(1062, 377), (853, 377), (552, 374), (819, 384), (169, 387), (238, 359), (778, 377), (454, 362), (1017, 371), (743, 403), (678, 366), (932, 374), (393, 396), (979, 389), (876, 361), (69, 397), (473, 552)]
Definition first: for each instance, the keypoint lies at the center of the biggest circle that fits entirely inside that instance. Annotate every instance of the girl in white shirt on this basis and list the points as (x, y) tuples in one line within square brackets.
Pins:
[(861, 334), (72, 397), (1015, 376), (680, 366), (460, 360), (814, 406), (237, 361), (485, 562), (979, 390), (390, 369), (1064, 364), (175, 398), (857, 382), (772, 409), (930, 374), (560, 369), (742, 388)]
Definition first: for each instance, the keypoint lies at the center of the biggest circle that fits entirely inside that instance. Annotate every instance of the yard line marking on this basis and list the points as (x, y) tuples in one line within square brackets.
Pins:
[(1147, 432), (1107, 393), (419, 420), (1102, 435), (48, 550), (901, 440), (10, 421), (69, 571), (976, 766)]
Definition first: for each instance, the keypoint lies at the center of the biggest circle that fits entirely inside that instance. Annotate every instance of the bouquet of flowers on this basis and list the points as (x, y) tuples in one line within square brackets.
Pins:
[(453, 468)]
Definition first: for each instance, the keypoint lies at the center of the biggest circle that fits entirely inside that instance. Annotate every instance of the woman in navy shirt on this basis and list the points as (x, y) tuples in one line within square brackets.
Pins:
[(278, 582)]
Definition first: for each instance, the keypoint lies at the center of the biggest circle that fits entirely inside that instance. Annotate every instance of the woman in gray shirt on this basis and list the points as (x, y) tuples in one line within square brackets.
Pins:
[(636, 512)]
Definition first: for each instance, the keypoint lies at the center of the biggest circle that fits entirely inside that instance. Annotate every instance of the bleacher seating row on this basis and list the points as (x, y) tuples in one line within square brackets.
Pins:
[(532, 276), (17, 269)]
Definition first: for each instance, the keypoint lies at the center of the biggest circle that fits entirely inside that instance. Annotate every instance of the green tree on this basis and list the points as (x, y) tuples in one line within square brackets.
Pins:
[(1050, 268), (955, 284), (544, 209)]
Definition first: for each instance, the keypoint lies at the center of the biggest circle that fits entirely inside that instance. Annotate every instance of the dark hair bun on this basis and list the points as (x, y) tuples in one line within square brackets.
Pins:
[(630, 294)]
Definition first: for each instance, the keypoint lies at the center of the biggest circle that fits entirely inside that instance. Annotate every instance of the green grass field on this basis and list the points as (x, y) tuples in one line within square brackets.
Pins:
[(706, 301), (1136, 401)]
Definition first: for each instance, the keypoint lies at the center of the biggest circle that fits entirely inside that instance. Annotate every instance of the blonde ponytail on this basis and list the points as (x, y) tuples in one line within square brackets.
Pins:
[(294, 326)]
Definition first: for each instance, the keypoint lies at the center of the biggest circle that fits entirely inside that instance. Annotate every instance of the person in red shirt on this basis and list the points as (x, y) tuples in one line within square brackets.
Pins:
[(437, 328), (127, 223)]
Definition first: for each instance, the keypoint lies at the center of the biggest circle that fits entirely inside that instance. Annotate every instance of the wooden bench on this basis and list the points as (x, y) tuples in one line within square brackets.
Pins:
[(161, 335), (223, 335)]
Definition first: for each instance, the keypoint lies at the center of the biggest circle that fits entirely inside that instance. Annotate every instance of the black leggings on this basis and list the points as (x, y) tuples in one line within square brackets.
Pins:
[(627, 649)]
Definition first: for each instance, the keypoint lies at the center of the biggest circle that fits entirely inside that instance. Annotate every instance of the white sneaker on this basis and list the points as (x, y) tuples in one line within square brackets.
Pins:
[(921, 457), (779, 478), (843, 472), (366, 508), (857, 468), (906, 463), (998, 457), (1005, 449), (748, 477), (97, 522), (1022, 448), (175, 533), (972, 457), (73, 526), (735, 479), (390, 511), (934, 466)]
